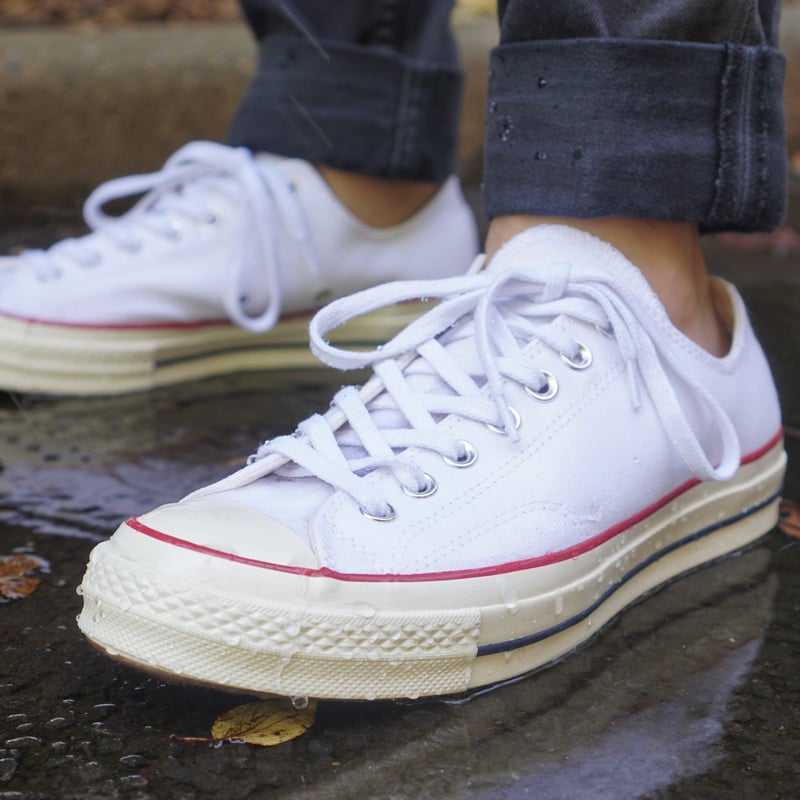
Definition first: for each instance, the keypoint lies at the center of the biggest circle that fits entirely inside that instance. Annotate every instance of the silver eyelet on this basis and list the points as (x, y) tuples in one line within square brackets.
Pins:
[(388, 517), (607, 332), (584, 357), (426, 491), (550, 390), (323, 297), (94, 260), (54, 274), (469, 457), (501, 430)]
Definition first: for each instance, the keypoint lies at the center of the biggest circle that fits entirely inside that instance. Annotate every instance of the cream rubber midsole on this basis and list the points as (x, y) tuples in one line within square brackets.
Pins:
[(265, 631), (71, 359)]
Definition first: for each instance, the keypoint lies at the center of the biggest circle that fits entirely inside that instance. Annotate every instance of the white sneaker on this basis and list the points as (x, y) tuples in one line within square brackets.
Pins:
[(538, 451), (216, 269)]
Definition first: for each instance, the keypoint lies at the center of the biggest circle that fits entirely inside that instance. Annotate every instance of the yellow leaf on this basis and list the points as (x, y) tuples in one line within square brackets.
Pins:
[(266, 722), (16, 580)]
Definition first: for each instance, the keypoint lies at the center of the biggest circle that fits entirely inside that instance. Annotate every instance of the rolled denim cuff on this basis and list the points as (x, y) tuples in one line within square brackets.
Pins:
[(663, 130), (369, 111)]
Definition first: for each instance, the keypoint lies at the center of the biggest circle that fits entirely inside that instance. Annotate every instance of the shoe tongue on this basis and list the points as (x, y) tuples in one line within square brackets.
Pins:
[(544, 245)]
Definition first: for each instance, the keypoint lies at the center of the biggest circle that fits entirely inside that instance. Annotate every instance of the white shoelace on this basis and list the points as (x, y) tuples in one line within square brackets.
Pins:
[(181, 189), (431, 369)]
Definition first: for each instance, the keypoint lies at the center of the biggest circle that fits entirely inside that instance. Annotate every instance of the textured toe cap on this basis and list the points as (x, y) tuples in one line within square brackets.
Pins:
[(174, 536)]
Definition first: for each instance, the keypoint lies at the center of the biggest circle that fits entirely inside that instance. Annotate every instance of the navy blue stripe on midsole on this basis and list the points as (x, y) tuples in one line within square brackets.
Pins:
[(266, 348), (524, 641)]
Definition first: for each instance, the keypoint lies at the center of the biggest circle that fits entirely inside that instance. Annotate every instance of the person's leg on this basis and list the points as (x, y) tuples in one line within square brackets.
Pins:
[(337, 176), (365, 88), (642, 124)]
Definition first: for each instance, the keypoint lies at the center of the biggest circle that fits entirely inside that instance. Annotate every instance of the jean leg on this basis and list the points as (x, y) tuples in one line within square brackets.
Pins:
[(670, 109), (371, 86)]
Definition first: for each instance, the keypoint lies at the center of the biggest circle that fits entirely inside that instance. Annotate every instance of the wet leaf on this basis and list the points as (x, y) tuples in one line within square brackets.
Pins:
[(266, 722), (16, 578), (789, 522)]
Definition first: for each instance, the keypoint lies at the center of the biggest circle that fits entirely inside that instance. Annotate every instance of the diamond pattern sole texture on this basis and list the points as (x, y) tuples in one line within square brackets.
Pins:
[(329, 638), (42, 358)]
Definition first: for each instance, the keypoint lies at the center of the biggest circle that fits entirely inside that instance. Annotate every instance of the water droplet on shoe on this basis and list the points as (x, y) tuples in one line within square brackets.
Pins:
[(509, 595), (366, 610)]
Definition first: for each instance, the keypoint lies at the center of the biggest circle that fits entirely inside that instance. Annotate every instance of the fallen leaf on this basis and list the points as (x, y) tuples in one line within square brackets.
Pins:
[(265, 722), (789, 521), (16, 580)]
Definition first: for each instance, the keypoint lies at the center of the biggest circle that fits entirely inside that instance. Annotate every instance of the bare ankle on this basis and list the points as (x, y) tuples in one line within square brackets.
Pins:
[(669, 256), (379, 202)]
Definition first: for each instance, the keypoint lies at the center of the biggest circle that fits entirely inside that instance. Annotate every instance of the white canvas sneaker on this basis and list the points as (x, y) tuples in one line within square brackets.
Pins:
[(216, 269), (537, 452)]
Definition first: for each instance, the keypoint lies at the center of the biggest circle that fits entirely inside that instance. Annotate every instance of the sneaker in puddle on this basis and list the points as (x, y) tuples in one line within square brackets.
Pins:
[(216, 269), (535, 453)]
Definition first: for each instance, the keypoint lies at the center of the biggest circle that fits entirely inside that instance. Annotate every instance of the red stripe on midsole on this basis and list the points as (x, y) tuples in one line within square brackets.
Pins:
[(461, 574), (142, 326)]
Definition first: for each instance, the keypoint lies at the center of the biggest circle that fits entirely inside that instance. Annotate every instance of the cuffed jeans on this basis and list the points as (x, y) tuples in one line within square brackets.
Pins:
[(665, 109)]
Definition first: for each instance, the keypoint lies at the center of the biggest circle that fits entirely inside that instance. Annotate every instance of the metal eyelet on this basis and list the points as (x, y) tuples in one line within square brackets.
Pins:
[(94, 260), (469, 457), (54, 274), (388, 517), (584, 357), (426, 491), (501, 430), (607, 332), (550, 390), (323, 297)]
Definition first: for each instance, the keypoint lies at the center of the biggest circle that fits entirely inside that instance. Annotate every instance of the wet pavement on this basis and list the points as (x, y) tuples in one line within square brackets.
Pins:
[(694, 693)]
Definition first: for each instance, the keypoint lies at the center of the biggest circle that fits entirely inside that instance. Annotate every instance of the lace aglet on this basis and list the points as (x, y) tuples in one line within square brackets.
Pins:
[(633, 386)]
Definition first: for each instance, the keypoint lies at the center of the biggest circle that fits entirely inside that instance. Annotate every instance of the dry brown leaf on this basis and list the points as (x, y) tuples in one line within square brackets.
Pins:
[(789, 522), (16, 580)]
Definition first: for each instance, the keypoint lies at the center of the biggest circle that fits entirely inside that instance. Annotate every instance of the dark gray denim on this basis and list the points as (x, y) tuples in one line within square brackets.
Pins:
[(666, 109)]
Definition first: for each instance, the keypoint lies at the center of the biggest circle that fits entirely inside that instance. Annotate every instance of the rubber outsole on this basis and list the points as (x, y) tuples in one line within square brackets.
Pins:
[(246, 628)]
